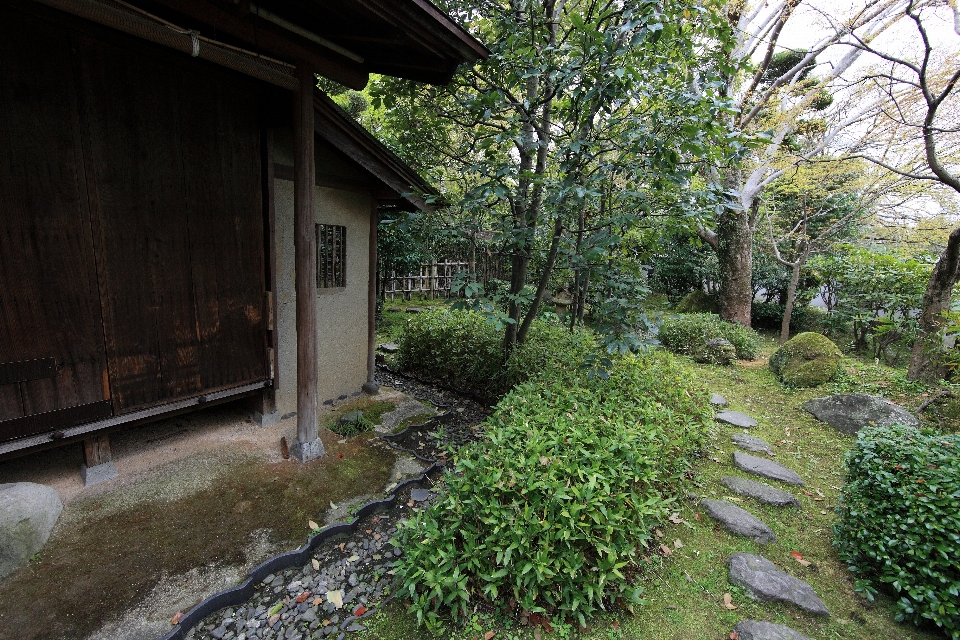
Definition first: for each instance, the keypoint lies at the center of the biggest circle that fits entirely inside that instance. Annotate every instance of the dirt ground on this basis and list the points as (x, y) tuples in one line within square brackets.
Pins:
[(200, 499)]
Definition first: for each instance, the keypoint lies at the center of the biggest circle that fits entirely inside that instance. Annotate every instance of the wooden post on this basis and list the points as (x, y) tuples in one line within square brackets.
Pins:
[(308, 445), (97, 460), (371, 385)]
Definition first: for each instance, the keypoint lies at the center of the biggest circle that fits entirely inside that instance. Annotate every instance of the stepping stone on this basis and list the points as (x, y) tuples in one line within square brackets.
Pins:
[(766, 468), (753, 630), (419, 495), (765, 583), (739, 521), (748, 442), (759, 491), (388, 347), (736, 419), (718, 400), (848, 413)]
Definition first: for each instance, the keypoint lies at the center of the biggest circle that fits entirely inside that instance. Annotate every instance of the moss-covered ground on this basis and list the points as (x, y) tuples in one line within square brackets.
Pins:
[(684, 591)]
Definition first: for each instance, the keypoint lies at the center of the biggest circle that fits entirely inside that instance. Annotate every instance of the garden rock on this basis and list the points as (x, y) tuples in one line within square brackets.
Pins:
[(765, 468), (751, 443), (759, 491), (388, 347), (353, 417), (765, 583), (739, 521), (736, 419), (28, 512), (753, 630), (848, 413), (806, 360), (718, 400), (717, 351)]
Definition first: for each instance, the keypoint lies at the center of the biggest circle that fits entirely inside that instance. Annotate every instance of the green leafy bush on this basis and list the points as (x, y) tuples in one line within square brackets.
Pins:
[(769, 315), (463, 348), (555, 510), (698, 301), (899, 526), (688, 335)]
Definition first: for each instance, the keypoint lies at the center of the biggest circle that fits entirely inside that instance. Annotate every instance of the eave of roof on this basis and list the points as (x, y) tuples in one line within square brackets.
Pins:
[(334, 125)]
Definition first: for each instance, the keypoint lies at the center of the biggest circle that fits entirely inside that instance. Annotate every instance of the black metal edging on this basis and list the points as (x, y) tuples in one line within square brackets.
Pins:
[(243, 592)]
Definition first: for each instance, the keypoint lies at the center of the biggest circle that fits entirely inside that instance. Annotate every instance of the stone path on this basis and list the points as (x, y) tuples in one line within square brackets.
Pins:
[(759, 577)]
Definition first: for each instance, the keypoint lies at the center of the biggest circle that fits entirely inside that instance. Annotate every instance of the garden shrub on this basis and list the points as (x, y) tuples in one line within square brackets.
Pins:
[(462, 348), (688, 335), (698, 302), (769, 315), (899, 526), (554, 511), (806, 360)]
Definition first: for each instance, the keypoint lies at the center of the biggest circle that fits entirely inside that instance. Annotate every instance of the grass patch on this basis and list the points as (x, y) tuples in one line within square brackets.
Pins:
[(372, 411), (684, 592)]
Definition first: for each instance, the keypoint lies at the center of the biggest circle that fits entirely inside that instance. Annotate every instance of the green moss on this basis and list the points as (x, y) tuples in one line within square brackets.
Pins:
[(698, 302), (806, 360), (420, 418)]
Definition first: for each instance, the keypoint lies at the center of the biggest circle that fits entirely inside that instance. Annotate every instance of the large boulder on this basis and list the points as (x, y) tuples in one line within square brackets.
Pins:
[(806, 360), (28, 512), (848, 413)]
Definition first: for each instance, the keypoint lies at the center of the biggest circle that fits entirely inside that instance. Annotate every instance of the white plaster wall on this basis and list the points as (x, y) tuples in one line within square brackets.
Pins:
[(341, 314)]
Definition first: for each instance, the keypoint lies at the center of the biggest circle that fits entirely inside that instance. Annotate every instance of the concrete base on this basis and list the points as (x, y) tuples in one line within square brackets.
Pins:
[(307, 451), (371, 388), (266, 420), (100, 473)]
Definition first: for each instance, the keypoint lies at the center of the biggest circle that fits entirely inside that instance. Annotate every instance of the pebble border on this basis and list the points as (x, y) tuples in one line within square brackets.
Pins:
[(238, 595)]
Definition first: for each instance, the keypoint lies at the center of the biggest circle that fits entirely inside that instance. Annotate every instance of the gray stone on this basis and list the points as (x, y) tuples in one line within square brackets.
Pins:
[(759, 491), (419, 495), (413, 310), (718, 400), (736, 419), (739, 521), (765, 583), (370, 388), (28, 512), (848, 413), (307, 451), (765, 468), (753, 630), (352, 417), (353, 580), (717, 351), (98, 473), (748, 442), (388, 347), (219, 632)]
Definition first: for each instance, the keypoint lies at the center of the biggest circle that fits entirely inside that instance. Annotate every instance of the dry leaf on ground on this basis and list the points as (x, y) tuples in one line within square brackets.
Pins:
[(728, 601)]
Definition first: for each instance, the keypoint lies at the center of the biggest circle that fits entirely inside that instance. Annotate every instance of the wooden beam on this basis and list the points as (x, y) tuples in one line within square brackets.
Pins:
[(259, 34), (96, 450), (308, 445), (371, 386)]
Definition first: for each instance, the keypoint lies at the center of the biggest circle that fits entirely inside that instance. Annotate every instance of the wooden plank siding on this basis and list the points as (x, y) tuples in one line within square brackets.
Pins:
[(131, 222)]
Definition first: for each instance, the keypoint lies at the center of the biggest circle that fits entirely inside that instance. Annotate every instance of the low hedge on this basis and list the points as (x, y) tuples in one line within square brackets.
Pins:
[(899, 528), (688, 334), (463, 350), (553, 512)]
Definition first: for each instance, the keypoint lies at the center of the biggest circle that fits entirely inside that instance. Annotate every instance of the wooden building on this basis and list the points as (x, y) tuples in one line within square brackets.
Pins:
[(184, 218)]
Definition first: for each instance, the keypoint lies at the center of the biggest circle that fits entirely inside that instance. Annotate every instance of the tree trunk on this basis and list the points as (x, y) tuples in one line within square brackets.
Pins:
[(925, 361), (542, 284), (735, 256), (791, 296)]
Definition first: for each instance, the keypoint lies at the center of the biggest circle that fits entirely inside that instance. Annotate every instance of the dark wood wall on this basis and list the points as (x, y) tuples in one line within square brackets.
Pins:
[(131, 225)]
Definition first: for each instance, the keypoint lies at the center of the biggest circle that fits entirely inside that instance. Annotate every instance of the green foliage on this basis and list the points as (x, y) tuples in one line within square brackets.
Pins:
[(688, 335), (806, 360), (556, 509), (769, 315), (899, 527), (465, 349), (875, 297), (698, 301), (682, 265)]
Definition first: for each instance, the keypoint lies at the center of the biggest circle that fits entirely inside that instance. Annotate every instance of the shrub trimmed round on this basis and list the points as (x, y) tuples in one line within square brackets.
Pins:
[(899, 528), (688, 335), (555, 510), (806, 360), (698, 302)]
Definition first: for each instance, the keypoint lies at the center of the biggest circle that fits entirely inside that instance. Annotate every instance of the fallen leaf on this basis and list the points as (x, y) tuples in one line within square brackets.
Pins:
[(799, 558), (303, 597), (177, 617), (539, 620), (332, 506), (615, 624), (666, 550), (336, 597), (676, 519), (806, 493), (342, 545), (818, 499), (728, 601), (316, 564), (353, 558), (274, 619), (822, 512), (488, 635), (313, 525), (544, 460), (734, 635), (376, 536), (368, 531), (658, 533), (409, 503), (317, 602), (677, 544), (696, 517), (359, 611), (325, 623)]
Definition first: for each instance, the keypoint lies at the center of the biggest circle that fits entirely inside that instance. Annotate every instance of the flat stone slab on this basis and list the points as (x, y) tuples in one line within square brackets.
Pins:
[(718, 400), (736, 419), (739, 521), (765, 468), (753, 630), (98, 473), (848, 413), (765, 583), (748, 442), (759, 491), (388, 347)]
